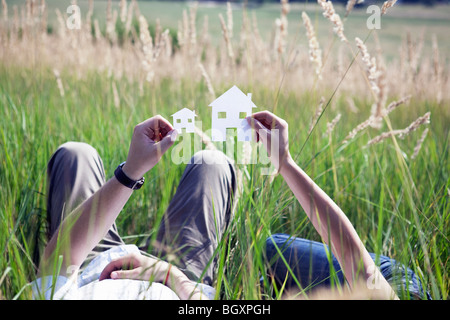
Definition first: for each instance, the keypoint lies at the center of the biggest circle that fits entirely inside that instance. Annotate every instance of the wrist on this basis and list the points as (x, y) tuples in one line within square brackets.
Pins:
[(174, 277), (131, 172), (126, 180), (286, 164), (182, 286)]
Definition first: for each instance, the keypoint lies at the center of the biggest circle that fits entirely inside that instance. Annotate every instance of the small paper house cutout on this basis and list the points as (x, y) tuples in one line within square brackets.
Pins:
[(229, 111), (184, 119)]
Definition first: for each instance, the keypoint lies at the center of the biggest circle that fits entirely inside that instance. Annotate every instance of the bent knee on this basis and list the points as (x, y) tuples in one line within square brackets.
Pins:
[(210, 157), (76, 150)]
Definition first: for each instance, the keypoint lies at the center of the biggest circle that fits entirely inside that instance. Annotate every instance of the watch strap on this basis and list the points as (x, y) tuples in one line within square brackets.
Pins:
[(125, 180)]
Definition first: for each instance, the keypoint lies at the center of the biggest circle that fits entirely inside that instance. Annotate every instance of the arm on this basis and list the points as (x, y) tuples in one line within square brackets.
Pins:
[(80, 232), (327, 218)]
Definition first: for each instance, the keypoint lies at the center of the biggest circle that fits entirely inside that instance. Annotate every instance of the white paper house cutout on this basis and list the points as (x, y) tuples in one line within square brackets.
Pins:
[(229, 111), (184, 118)]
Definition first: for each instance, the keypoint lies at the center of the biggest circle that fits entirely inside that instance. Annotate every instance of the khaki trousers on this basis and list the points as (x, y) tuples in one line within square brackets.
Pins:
[(192, 225)]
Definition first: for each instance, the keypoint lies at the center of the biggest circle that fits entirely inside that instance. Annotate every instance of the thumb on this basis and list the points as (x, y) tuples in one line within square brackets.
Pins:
[(168, 140), (262, 131)]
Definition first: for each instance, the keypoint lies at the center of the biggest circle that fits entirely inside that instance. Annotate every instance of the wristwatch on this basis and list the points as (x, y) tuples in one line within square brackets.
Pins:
[(125, 180)]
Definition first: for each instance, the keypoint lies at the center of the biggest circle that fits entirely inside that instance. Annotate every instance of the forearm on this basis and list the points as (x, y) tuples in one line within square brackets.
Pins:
[(328, 219), (330, 222), (80, 232), (335, 229)]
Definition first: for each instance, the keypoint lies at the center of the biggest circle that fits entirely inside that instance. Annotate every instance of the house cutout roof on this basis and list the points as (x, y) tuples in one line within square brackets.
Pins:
[(184, 113), (232, 98)]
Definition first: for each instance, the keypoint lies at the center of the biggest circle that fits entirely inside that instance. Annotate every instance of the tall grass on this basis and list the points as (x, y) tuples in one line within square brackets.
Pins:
[(397, 203)]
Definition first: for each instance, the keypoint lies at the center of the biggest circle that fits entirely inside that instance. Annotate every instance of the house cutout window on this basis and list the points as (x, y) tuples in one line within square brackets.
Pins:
[(183, 120), (222, 115), (229, 111)]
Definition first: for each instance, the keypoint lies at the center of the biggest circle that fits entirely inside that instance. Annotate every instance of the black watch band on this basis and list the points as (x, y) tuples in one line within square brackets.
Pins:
[(127, 182)]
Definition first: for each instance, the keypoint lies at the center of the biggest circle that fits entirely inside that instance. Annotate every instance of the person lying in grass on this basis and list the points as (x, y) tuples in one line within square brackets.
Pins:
[(86, 258)]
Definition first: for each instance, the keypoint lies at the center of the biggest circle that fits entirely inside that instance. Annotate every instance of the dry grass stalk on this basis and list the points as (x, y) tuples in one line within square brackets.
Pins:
[(351, 105), (207, 80), (186, 28), (97, 32), (436, 60), (78, 51), (193, 26), (357, 129), (282, 24), (158, 31), (379, 107), (129, 19), (330, 14), (166, 41), (230, 20), (393, 105), (377, 83), (419, 144), (147, 48), (62, 24), (350, 5), (88, 24), (371, 66), (162, 42), (425, 119), (180, 35), (387, 5), (123, 10), (226, 37), (384, 136), (185, 35), (316, 114), (111, 18), (59, 82), (332, 124), (414, 52), (315, 54), (5, 11), (437, 69)]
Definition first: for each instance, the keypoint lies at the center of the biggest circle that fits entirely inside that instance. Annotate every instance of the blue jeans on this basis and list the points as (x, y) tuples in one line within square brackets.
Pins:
[(310, 264)]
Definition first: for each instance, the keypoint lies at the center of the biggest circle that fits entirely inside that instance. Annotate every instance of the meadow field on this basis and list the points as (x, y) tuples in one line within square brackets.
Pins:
[(368, 114)]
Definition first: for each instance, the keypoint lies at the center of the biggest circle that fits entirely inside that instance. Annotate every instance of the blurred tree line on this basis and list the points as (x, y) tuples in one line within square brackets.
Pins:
[(366, 2)]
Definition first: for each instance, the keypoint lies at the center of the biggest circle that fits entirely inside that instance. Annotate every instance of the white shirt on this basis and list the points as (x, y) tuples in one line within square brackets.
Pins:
[(87, 286)]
